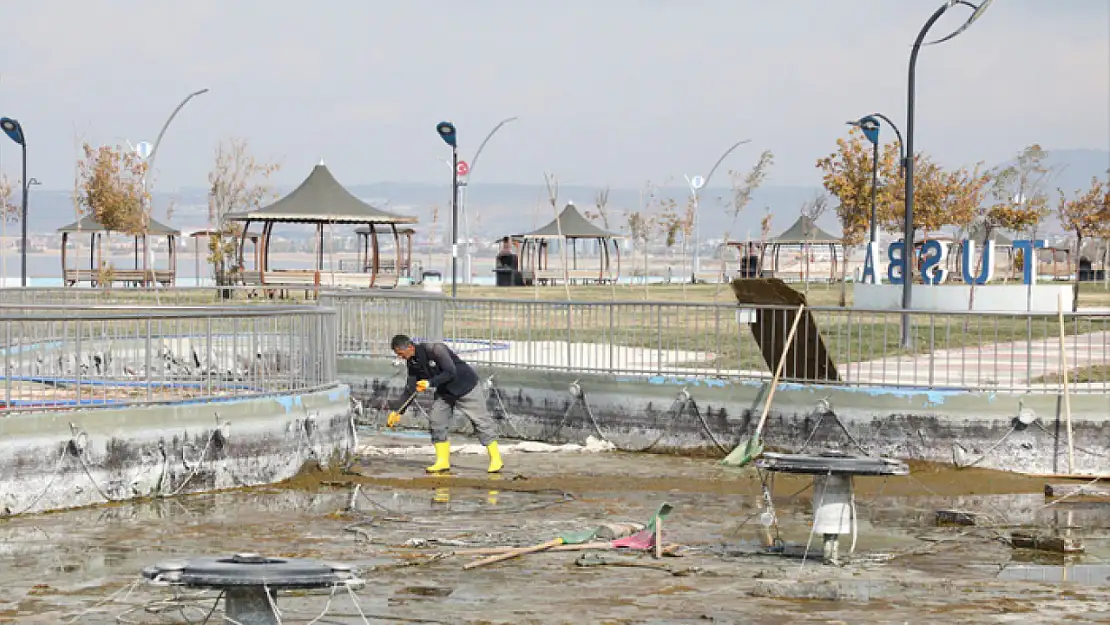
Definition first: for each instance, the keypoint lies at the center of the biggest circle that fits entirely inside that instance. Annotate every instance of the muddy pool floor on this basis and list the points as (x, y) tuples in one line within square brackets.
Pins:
[(83, 566)]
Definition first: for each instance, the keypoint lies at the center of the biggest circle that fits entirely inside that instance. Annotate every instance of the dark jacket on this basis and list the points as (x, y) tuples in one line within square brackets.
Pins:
[(443, 369)]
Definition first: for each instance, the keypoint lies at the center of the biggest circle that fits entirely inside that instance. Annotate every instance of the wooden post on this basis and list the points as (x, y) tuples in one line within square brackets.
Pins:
[(1064, 378)]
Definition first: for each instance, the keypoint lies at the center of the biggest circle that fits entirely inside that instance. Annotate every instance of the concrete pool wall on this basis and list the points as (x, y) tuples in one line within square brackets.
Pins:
[(54, 459), (1006, 431)]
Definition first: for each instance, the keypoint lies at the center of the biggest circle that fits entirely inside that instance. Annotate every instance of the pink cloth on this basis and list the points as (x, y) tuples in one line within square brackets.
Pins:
[(643, 540)]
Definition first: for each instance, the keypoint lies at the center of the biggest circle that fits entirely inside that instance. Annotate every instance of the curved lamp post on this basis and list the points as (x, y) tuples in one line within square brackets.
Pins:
[(697, 183), (870, 126), (14, 130), (907, 236), (473, 163), (447, 132), (150, 169)]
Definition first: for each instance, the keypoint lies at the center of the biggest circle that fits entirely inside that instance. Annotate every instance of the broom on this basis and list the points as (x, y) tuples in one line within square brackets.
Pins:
[(751, 448)]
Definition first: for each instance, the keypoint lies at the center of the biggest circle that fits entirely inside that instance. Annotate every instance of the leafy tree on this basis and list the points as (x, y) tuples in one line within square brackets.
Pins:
[(110, 189), (1087, 215), (847, 176), (238, 182)]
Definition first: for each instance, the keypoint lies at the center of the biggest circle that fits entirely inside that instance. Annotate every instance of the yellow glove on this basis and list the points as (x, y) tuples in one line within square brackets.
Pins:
[(421, 386), (393, 419)]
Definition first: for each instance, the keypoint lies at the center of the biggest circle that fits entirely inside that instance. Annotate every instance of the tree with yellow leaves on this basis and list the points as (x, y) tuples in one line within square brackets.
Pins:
[(110, 189), (1087, 215), (847, 176), (238, 182)]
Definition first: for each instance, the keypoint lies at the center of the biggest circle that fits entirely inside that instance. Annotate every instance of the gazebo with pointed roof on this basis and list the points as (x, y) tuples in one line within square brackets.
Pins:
[(322, 201), (96, 230), (802, 235), (568, 228)]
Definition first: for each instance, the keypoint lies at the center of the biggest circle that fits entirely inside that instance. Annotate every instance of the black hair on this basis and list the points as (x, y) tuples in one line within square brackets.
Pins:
[(400, 341)]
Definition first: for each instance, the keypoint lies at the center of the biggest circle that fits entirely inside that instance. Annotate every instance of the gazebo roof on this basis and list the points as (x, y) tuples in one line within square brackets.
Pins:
[(570, 224), (804, 231), (207, 232), (88, 223), (321, 199)]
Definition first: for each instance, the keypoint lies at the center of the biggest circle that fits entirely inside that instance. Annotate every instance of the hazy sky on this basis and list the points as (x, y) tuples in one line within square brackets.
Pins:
[(607, 91)]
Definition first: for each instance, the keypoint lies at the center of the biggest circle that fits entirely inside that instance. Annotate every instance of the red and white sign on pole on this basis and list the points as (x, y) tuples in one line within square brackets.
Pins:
[(464, 168)]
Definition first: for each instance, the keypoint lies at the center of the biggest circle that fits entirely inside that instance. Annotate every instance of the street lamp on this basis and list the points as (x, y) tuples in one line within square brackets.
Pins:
[(14, 130), (870, 126), (150, 168), (470, 172), (907, 237), (697, 183), (447, 132)]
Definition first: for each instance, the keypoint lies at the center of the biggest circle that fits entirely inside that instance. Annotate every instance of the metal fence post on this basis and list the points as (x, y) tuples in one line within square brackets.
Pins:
[(659, 338), (570, 330), (611, 339), (149, 361)]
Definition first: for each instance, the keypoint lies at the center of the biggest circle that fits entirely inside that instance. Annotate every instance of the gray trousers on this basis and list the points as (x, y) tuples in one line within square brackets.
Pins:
[(473, 406)]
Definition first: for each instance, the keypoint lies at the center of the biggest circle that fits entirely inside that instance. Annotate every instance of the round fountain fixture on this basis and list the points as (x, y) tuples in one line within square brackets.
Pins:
[(250, 581), (833, 501)]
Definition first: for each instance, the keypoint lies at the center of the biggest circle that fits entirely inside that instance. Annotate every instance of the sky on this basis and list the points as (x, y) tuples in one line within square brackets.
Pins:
[(613, 92)]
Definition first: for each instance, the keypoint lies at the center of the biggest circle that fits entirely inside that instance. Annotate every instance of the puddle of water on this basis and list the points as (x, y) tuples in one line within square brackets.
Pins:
[(54, 566)]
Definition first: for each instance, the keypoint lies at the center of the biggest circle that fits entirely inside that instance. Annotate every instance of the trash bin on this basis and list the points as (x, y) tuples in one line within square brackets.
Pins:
[(506, 269)]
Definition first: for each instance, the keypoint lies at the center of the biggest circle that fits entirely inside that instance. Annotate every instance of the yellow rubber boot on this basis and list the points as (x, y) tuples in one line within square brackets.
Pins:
[(495, 463), (443, 458)]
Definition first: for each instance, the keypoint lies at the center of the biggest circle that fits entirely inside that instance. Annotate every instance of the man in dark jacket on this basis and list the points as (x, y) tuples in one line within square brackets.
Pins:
[(434, 365)]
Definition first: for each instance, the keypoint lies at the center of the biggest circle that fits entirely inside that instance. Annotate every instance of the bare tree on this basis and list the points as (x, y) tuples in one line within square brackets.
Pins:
[(811, 211), (743, 186), (553, 196), (238, 182)]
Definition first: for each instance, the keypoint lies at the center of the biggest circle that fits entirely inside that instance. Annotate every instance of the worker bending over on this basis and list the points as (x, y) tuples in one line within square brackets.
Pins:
[(434, 365)]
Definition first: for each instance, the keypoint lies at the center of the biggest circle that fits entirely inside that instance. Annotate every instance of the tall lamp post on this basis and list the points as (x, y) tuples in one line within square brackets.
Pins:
[(14, 130), (907, 237), (697, 183), (150, 167), (447, 132), (465, 186), (870, 126)]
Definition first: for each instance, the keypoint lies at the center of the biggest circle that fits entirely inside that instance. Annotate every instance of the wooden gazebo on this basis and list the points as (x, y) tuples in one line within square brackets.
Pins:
[(136, 276), (804, 235), (321, 201), (369, 251), (568, 229), (208, 233)]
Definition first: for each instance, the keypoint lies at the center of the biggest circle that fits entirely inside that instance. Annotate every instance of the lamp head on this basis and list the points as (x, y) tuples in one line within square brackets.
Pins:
[(12, 128), (870, 127), (446, 132)]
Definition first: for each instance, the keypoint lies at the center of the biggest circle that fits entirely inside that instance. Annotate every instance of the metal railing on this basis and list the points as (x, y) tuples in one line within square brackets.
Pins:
[(1018, 352), (173, 296), (69, 356), (951, 351)]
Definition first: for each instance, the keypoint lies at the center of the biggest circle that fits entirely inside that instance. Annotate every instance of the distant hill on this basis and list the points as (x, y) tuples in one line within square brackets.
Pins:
[(496, 209)]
